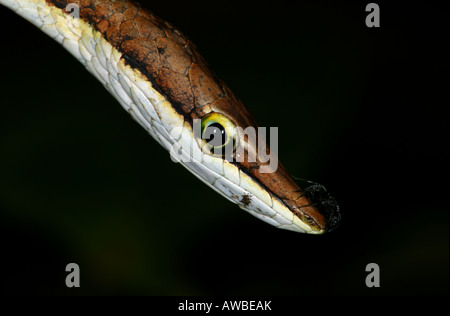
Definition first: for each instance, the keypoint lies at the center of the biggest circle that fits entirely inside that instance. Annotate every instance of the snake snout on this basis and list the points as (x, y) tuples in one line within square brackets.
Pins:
[(326, 204)]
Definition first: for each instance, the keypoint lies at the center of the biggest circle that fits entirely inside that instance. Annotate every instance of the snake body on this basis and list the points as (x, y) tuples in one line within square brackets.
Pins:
[(161, 80)]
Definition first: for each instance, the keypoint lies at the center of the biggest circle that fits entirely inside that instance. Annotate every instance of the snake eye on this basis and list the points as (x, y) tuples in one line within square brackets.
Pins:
[(218, 134)]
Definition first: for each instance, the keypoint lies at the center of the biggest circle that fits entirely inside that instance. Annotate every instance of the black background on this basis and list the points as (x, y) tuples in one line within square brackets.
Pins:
[(362, 111)]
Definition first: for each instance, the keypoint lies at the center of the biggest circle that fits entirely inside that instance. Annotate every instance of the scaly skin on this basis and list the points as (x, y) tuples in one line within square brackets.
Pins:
[(157, 51)]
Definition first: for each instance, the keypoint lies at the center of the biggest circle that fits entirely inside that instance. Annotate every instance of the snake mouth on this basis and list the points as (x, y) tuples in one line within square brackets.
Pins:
[(312, 208)]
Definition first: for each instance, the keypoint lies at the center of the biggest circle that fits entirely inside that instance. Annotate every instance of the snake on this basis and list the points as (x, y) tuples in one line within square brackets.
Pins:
[(159, 77)]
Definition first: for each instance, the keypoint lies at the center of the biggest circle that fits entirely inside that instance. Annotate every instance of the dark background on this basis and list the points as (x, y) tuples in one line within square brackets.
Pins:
[(363, 111)]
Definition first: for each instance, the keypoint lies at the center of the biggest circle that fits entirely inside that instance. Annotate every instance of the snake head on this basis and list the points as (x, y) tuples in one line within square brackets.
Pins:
[(264, 187)]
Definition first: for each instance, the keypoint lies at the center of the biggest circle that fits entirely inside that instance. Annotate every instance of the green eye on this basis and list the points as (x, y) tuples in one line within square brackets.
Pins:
[(218, 134)]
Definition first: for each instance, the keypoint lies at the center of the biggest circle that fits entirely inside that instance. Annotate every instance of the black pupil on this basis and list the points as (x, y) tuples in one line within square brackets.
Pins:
[(215, 135)]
